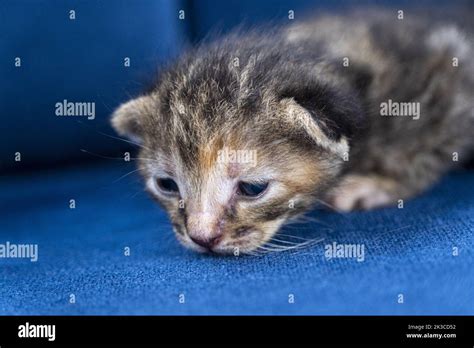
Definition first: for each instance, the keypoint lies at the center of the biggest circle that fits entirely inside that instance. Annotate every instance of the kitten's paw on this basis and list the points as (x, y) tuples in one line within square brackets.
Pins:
[(362, 192)]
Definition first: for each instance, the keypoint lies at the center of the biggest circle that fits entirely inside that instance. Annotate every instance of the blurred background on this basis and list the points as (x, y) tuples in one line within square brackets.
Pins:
[(104, 52)]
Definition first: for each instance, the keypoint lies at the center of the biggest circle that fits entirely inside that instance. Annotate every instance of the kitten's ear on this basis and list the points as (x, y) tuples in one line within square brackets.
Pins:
[(330, 119), (300, 117), (127, 120)]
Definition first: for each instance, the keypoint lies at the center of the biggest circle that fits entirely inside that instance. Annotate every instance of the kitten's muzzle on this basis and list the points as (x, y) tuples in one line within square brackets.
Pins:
[(207, 243)]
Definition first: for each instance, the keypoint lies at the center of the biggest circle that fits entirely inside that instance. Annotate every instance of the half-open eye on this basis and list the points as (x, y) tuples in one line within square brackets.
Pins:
[(167, 185), (249, 189)]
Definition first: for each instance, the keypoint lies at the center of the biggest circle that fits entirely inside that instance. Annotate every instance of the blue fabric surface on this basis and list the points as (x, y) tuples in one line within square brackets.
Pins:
[(79, 60), (409, 251)]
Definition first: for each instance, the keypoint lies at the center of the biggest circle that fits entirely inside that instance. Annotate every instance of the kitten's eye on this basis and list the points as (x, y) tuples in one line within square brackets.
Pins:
[(249, 189), (167, 184)]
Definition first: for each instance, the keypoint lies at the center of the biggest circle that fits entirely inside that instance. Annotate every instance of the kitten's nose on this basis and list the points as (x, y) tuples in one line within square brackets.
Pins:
[(207, 243)]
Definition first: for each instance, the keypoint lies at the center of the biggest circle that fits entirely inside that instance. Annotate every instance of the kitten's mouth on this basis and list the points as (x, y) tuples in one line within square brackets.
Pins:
[(243, 240), (234, 247), (218, 249)]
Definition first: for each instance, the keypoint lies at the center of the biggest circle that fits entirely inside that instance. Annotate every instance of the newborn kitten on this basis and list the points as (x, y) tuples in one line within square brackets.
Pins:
[(243, 134)]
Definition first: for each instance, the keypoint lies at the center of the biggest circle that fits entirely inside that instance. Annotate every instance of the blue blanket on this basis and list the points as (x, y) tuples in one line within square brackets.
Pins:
[(418, 260)]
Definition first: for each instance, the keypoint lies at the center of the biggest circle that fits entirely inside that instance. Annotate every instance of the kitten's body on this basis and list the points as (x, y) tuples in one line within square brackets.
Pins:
[(307, 99), (403, 60)]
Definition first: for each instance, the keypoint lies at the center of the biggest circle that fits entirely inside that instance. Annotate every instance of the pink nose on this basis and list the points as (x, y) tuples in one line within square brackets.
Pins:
[(207, 243)]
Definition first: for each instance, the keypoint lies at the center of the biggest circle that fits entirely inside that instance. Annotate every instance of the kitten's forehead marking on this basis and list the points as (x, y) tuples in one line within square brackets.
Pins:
[(207, 203)]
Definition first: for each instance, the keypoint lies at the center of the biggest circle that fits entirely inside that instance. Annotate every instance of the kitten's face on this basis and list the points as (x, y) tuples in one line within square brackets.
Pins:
[(236, 195), (227, 186)]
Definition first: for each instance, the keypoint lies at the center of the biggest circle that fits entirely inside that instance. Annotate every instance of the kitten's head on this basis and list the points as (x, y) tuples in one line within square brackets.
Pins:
[(232, 163)]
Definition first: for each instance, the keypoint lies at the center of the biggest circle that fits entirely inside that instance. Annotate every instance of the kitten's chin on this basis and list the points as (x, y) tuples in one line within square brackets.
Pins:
[(228, 249), (237, 249)]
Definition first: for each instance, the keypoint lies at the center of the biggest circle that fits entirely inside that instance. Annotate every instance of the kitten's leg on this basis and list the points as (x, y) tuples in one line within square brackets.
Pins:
[(364, 192)]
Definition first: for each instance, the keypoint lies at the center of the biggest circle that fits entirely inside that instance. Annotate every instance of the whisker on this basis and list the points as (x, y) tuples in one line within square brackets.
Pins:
[(306, 219), (137, 193), (272, 247), (145, 159), (125, 175), (295, 237), (116, 138), (278, 247), (309, 242), (284, 241), (267, 249), (101, 156), (119, 158), (253, 253), (330, 206)]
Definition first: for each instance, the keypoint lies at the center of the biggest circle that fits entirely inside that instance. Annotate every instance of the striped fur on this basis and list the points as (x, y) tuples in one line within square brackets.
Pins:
[(313, 122)]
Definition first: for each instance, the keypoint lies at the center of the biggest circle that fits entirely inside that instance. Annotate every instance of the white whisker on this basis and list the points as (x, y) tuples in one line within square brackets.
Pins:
[(125, 175), (330, 206), (117, 138)]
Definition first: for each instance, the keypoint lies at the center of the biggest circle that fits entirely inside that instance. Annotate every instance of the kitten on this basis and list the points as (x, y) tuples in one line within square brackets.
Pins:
[(245, 133)]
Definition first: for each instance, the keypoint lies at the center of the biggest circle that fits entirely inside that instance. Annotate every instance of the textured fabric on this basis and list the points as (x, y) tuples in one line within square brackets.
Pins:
[(408, 251)]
